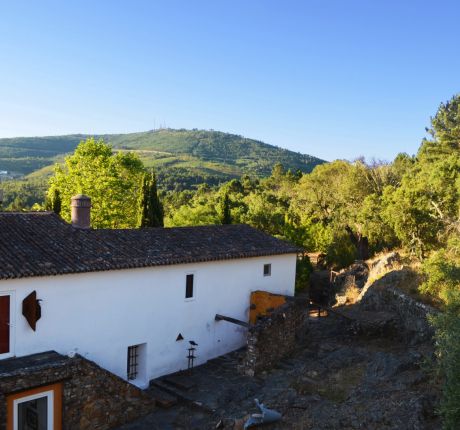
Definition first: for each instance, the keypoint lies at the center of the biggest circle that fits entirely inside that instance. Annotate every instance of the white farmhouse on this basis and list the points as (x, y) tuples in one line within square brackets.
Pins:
[(131, 300)]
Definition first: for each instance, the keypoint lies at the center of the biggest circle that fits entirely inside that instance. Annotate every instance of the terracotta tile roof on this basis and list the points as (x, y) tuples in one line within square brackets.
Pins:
[(42, 244)]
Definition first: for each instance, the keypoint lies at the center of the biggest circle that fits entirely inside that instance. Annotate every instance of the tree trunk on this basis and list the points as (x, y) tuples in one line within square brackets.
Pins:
[(360, 242)]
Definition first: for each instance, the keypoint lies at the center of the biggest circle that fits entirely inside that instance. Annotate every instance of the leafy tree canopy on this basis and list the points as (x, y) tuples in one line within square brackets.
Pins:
[(112, 180)]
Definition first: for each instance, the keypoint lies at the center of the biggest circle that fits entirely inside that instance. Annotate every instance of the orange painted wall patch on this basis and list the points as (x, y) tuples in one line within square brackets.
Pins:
[(263, 303)]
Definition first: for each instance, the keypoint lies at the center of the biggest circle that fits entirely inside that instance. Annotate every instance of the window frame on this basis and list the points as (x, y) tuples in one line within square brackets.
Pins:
[(132, 368), (12, 324), (54, 405), (139, 377), (269, 266), (193, 296)]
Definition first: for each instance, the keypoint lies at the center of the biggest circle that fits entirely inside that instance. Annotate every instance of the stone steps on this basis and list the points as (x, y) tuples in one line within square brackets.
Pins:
[(180, 395), (169, 389), (182, 382), (223, 362), (162, 398)]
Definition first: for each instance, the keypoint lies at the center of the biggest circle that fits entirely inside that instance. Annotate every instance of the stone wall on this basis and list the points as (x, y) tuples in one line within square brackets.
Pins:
[(275, 336), (92, 397), (412, 315)]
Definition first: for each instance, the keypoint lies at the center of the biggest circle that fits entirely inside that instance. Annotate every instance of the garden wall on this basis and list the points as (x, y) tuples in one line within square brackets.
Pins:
[(275, 336)]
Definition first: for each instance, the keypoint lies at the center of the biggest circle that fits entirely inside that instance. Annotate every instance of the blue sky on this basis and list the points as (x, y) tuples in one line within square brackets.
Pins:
[(336, 79)]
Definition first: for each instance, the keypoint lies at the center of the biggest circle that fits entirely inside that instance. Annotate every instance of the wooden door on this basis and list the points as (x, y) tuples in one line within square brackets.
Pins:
[(4, 324)]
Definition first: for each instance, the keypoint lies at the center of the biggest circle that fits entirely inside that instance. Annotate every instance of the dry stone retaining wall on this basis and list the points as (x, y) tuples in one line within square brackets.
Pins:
[(275, 336), (412, 315)]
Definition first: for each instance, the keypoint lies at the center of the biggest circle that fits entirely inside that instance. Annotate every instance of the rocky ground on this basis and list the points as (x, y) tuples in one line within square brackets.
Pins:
[(337, 379)]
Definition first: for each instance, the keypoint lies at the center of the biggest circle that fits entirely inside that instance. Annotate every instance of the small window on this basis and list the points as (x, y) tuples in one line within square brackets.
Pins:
[(267, 269), (133, 355), (189, 287), (38, 408)]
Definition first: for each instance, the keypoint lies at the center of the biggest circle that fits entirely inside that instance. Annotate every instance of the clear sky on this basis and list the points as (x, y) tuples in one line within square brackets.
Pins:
[(336, 79)]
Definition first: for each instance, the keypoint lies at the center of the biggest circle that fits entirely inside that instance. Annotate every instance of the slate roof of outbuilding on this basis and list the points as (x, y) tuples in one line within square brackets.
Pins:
[(16, 366), (42, 244)]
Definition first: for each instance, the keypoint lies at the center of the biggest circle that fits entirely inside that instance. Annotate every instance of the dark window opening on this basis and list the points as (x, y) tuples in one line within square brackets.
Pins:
[(267, 269), (33, 414), (4, 324), (189, 287), (133, 362)]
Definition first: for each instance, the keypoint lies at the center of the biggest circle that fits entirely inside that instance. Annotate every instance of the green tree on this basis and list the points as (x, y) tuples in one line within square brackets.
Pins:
[(430, 194), (444, 130), (329, 199), (374, 225), (424, 208), (150, 208), (198, 208), (54, 202), (264, 212), (224, 210), (111, 180), (17, 205)]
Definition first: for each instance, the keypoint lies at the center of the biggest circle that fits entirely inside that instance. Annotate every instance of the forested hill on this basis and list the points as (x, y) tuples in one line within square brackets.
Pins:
[(185, 157)]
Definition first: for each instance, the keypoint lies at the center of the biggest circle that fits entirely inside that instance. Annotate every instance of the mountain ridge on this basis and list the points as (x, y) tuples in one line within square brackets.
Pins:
[(180, 156)]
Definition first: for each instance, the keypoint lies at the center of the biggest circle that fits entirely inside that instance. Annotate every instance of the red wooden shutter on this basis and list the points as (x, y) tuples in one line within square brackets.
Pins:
[(4, 324)]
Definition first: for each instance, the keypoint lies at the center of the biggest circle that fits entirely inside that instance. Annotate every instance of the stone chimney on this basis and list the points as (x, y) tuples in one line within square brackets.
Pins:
[(81, 211)]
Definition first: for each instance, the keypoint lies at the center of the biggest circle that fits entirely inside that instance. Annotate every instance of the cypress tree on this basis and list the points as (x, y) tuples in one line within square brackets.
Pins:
[(142, 202), (225, 215), (54, 203), (150, 207), (157, 213)]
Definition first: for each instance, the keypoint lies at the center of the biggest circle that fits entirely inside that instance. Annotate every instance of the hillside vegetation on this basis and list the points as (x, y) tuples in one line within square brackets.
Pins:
[(182, 158)]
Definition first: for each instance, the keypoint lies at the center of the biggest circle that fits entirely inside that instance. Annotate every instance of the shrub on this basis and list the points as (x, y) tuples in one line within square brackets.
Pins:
[(442, 270), (447, 327)]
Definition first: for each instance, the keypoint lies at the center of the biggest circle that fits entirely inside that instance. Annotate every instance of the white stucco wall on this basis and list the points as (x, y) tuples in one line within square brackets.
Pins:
[(100, 314)]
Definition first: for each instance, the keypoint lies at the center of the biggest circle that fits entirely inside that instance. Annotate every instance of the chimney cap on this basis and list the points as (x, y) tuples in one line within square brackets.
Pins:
[(81, 197), (80, 200)]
